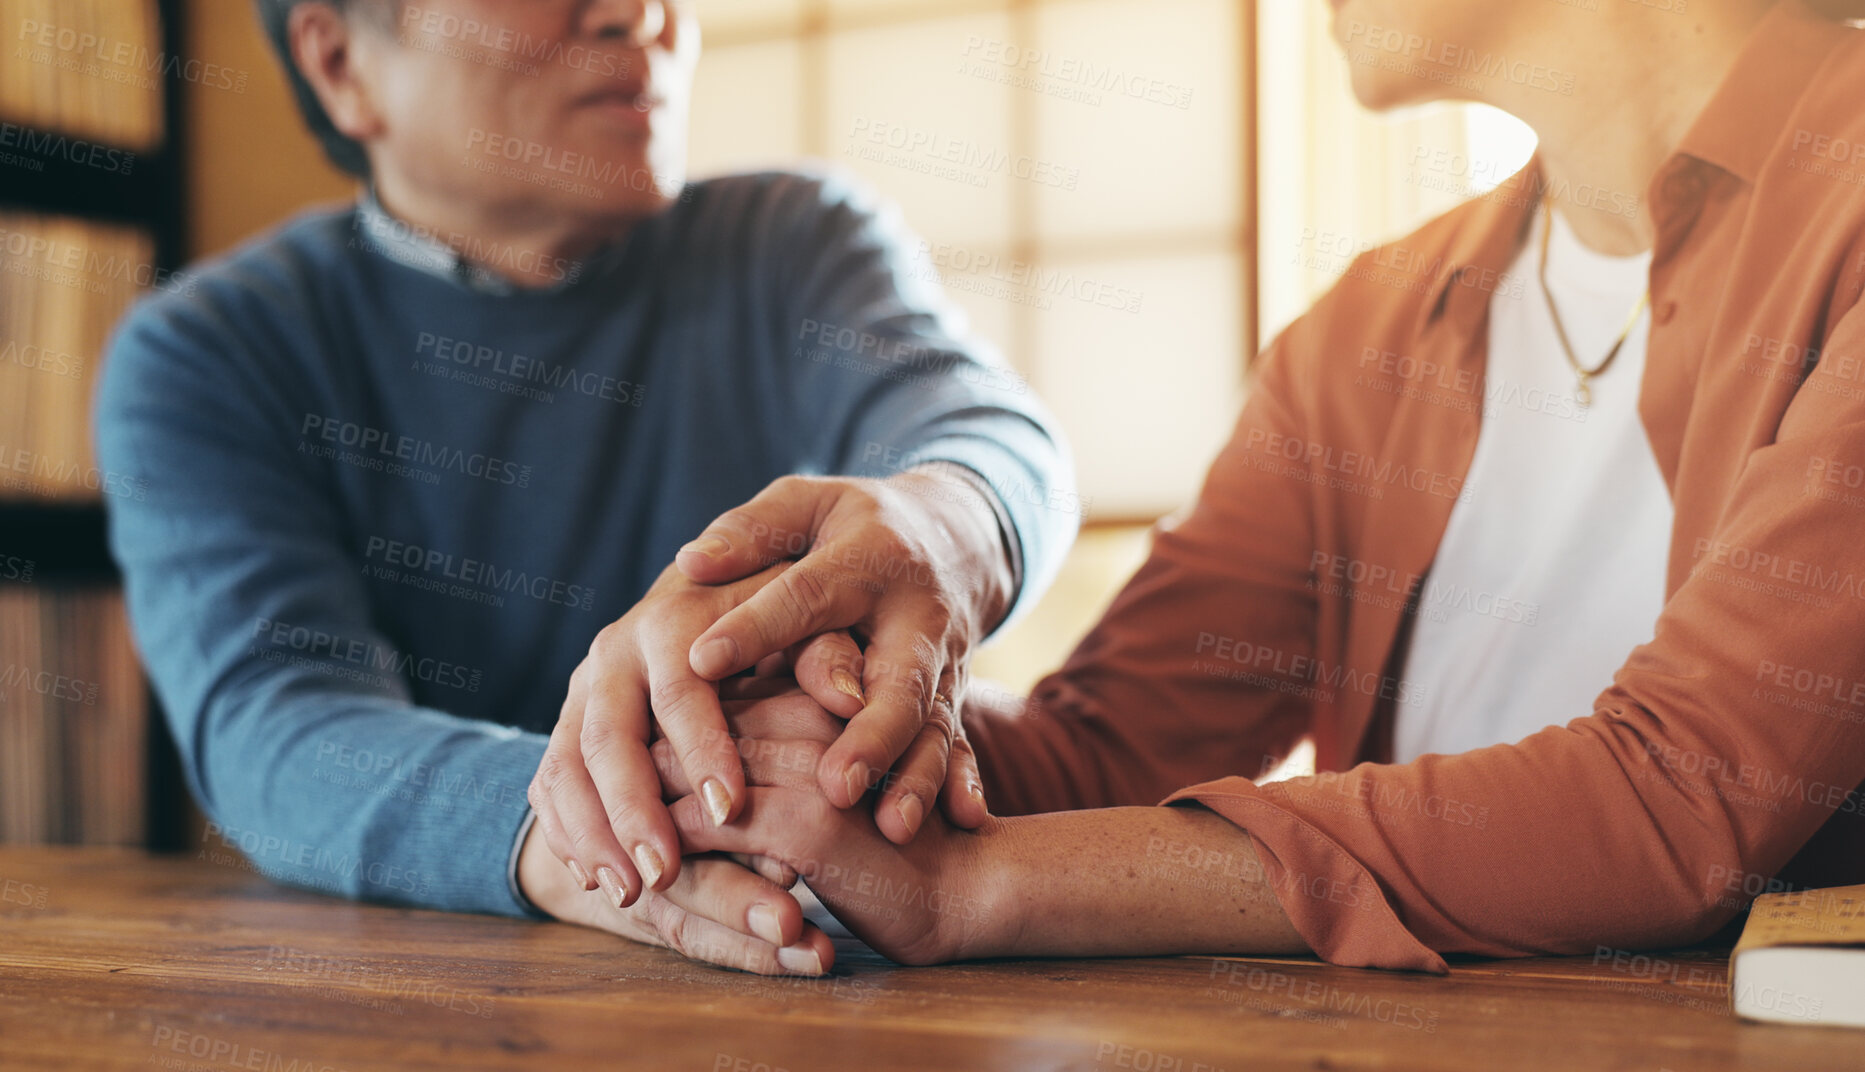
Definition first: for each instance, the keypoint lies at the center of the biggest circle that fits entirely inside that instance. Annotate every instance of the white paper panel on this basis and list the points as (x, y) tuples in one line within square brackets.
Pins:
[(1139, 108), (900, 115), (1146, 397), (747, 111)]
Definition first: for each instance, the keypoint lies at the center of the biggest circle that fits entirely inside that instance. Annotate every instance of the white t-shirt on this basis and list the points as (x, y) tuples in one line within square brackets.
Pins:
[(1553, 571)]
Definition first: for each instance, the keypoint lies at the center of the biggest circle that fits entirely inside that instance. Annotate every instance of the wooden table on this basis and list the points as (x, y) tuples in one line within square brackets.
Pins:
[(116, 959)]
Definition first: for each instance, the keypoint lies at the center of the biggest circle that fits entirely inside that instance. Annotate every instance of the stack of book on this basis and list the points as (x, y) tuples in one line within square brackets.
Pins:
[(92, 70), (60, 296), (82, 86), (73, 719)]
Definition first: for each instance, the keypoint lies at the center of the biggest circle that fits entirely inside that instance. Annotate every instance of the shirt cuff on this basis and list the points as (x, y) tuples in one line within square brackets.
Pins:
[(511, 869)]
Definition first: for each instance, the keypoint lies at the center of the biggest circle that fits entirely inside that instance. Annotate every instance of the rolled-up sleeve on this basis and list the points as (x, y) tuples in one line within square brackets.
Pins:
[(1155, 697), (1712, 754), (1720, 748)]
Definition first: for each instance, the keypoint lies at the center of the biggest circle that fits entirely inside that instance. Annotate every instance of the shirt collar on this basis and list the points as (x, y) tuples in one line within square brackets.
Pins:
[(413, 247), (421, 250), (1745, 118), (1484, 243)]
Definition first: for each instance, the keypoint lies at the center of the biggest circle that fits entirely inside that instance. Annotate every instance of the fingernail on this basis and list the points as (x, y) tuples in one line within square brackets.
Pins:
[(763, 920), (612, 885), (717, 656), (911, 812), (648, 862), (845, 682), (581, 876), (799, 959), (976, 792), (710, 546), (718, 801), (857, 776)]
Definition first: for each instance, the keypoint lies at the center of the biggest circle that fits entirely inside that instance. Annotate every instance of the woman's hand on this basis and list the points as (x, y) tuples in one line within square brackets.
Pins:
[(920, 903), (1107, 882)]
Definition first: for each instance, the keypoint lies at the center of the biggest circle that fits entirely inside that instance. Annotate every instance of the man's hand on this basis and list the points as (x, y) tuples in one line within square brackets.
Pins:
[(917, 566), (596, 793), (717, 911), (735, 911)]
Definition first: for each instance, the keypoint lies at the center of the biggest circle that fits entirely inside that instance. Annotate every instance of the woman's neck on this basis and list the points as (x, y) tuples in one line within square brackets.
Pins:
[(1636, 94)]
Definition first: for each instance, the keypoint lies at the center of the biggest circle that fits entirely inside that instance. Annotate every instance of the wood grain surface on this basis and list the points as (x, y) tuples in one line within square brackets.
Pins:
[(117, 959)]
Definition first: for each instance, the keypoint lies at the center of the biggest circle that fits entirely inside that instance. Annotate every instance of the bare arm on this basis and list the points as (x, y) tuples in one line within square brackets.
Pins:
[(1125, 882), (1112, 882)]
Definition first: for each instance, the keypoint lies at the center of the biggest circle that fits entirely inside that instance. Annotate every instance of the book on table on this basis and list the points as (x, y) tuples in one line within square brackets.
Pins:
[(1801, 959)]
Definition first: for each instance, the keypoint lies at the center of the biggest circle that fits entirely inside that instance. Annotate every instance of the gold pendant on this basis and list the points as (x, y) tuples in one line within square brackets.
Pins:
[(1584, 392)]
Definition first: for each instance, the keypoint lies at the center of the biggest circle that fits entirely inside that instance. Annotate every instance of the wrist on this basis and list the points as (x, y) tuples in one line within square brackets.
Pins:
[(995, 898), (545, 882), (957, 498)]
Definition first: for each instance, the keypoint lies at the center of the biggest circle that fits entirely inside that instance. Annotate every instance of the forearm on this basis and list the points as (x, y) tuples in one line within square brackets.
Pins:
[(1124, 882), (366, 798)]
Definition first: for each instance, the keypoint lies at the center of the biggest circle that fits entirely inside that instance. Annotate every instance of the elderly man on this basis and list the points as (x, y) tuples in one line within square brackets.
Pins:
[(408, 459)]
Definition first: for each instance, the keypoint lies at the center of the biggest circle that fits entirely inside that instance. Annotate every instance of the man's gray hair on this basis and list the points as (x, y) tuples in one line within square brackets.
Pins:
[(275, 16)]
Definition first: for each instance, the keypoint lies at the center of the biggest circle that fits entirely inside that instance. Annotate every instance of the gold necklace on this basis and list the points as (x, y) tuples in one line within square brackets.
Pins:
[(1583, 376)]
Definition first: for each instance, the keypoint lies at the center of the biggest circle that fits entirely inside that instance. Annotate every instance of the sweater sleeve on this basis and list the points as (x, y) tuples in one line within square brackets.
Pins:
[(887, 377), (291, 717), (1711, 754)]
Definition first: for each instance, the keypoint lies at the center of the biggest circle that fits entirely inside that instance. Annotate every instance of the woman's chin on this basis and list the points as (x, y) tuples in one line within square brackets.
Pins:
[(1384, 91)]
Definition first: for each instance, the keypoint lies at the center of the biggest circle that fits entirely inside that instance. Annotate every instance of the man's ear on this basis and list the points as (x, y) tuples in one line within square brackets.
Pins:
[(325, 50)]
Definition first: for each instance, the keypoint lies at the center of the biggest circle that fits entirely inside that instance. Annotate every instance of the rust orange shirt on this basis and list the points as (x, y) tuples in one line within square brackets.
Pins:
[(1725, 755)]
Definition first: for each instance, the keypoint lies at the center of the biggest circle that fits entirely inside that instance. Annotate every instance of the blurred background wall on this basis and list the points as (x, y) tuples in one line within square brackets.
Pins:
[(1144, 192)]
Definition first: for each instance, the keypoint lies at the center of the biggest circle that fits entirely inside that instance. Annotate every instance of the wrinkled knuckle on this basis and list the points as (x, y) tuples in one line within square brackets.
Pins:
[(671, 922), (808, 594), (598, 737), (916, 685), (940, 722), (609, 641), (698, 757), (735, 526), (553, 773), (623, 813), (672, 699), (791, 484), (945, 606)]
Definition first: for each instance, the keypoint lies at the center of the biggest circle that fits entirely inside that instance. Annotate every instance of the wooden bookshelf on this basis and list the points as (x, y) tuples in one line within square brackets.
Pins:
[(91, 215)]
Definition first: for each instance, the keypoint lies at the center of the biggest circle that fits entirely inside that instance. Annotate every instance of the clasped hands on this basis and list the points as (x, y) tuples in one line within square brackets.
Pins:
[(801, 659)]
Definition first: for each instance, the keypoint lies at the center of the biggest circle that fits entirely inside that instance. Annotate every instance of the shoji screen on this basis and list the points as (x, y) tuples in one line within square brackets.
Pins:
[(1080, 169)]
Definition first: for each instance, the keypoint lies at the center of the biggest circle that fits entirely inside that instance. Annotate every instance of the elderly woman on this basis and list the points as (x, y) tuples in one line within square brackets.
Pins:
[(1543, 524)]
